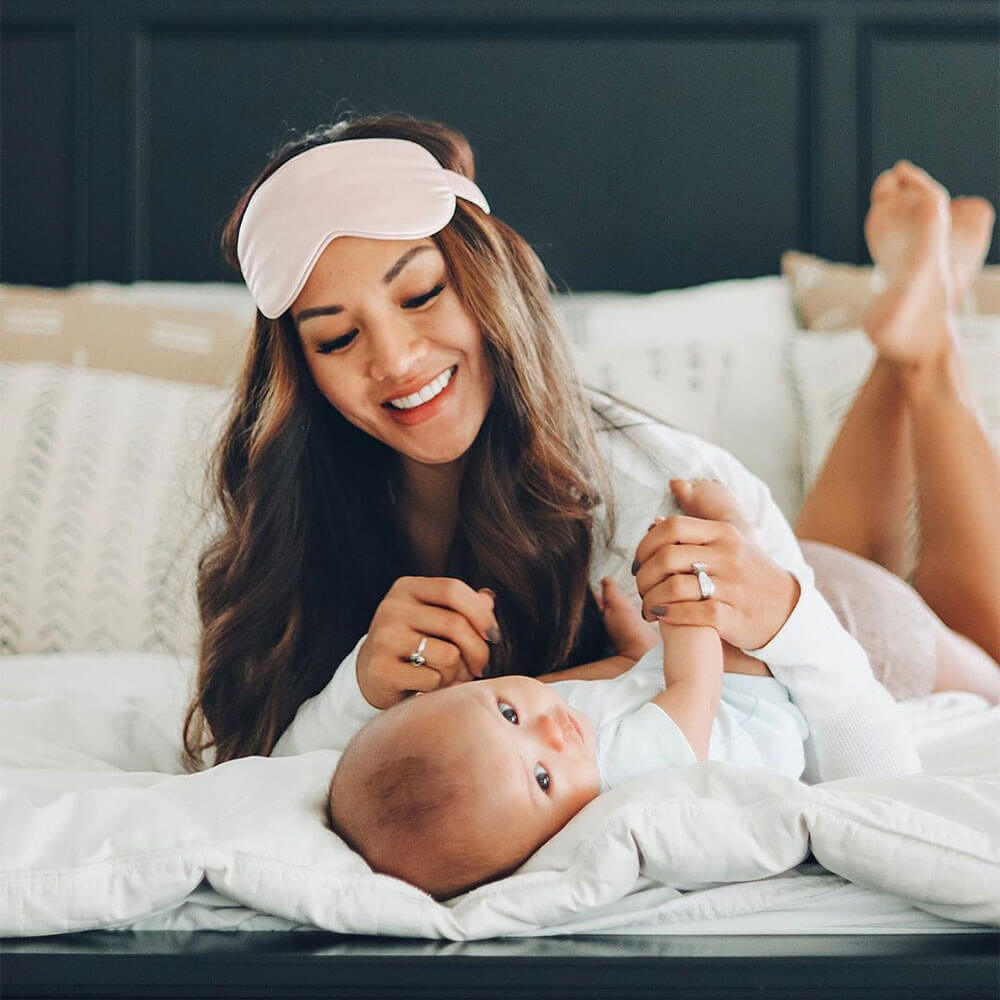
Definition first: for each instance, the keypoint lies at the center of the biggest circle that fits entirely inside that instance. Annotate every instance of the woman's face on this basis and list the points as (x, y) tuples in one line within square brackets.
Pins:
[(383, 328)]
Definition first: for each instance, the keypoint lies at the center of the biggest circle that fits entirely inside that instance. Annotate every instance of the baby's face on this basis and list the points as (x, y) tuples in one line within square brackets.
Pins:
[(534, 757)]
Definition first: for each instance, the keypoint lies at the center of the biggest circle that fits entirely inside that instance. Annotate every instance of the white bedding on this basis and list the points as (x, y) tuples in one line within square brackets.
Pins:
[(98, 828)]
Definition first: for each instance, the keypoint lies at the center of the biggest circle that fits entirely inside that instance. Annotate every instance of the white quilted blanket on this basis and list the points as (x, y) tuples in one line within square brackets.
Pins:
[(99, 829)]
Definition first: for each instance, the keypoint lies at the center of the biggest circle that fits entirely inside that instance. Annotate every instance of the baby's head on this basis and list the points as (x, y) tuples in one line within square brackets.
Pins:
[(450, 789)]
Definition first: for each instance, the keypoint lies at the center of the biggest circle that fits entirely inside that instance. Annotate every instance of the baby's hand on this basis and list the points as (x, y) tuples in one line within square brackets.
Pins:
[(629, 634), (712, 500)]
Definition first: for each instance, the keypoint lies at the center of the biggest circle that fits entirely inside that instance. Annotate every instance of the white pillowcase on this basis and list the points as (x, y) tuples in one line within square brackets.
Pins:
[(709, 359), (101, 487)]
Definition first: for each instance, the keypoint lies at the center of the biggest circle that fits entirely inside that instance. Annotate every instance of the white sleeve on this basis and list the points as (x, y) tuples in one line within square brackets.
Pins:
[(328, 720), (855, 726)]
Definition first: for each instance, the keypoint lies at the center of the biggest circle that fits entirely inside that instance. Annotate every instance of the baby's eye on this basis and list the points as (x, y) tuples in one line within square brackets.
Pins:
[(505, 709), (542, 777)]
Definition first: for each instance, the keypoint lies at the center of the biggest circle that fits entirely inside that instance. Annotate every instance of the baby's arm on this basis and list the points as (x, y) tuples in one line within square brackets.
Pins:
[(630, 636), (692, 673)]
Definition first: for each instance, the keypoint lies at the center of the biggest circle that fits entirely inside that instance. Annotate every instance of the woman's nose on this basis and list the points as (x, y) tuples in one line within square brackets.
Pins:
[(396, 352)]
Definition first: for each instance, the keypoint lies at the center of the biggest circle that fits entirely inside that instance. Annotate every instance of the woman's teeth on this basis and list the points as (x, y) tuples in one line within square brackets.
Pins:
[(424, 395)]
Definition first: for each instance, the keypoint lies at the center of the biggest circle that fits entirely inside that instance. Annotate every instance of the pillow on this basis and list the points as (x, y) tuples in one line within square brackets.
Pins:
[(193, 334), (101, 487), (829, 369), (830, 296), (709, 359)]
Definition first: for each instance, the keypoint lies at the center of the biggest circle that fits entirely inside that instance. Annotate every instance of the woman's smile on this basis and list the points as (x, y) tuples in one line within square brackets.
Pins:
[(427, 402)]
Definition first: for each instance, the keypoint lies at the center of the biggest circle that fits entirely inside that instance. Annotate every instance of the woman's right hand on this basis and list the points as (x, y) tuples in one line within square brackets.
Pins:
[(459, 625)]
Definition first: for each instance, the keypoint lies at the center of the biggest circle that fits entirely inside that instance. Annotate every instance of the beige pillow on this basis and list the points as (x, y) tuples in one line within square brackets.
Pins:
[(124, 328), (830, 296)]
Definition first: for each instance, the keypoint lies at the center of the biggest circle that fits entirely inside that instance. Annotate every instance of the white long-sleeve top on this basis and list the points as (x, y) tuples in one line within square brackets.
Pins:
[(854, 725)]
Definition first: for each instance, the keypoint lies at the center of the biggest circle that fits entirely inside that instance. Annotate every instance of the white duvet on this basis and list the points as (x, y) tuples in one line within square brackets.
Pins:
[(98, 828)]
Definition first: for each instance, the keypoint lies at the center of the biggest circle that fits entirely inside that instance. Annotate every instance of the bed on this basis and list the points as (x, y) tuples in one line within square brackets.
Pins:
[(115, 391)]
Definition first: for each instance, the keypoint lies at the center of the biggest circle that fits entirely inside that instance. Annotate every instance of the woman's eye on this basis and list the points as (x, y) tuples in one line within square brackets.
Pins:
[(542, 777), (421, 299), (508, 712), (329, 346)]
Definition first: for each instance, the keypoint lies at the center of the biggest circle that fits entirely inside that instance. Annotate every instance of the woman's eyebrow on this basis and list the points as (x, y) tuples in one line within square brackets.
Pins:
[(389, 276), (403, 261)]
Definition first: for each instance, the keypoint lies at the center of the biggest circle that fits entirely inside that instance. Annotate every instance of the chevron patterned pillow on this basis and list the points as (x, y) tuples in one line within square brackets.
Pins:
[(102, 508)]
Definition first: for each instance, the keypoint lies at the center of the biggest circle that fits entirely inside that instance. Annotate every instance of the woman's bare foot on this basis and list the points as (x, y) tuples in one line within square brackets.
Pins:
[(713, 501), (971, 230), (908, 229)]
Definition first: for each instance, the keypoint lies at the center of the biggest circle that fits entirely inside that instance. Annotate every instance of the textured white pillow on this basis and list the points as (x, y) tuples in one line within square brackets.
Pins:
[(709, 359), (102, 506)]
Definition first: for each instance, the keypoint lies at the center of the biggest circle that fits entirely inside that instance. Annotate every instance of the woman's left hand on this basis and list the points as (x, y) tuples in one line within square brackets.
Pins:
[(753, 595)]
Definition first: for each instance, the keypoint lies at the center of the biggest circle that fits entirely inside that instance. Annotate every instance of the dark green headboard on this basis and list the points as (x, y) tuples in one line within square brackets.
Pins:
[(637, 145)]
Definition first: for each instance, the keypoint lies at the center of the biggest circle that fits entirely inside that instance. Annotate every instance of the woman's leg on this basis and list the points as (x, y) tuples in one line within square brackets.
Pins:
[(958, 485), (956, 472), (859, 501)]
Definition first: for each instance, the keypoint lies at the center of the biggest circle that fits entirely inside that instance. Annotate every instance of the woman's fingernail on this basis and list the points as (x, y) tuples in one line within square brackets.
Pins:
[(659, 610), (635, 566), (486, 590), (493, 635)]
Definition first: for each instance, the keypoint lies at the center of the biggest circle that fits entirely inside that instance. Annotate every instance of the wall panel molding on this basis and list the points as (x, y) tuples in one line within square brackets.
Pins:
[(912, 127), (162, 45), (43, 183), (797, 99)]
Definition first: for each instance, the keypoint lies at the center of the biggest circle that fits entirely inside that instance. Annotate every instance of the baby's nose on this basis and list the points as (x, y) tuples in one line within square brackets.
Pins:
[(552, 732)]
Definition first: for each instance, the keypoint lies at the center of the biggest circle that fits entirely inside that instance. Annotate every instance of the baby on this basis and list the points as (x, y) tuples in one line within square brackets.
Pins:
[(453, 788)]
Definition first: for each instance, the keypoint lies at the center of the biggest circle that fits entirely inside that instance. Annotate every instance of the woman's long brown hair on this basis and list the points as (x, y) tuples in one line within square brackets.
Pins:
[(312, 535)]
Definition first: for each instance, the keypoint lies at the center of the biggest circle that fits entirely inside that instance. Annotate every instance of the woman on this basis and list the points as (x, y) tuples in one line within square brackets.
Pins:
[(398, 544)]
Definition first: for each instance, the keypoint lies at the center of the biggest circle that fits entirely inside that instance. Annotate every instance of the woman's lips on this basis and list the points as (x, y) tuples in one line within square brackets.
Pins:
[(425, 411)]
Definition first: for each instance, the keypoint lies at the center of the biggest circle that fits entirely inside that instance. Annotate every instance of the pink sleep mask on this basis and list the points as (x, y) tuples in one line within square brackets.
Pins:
[(385, 189)]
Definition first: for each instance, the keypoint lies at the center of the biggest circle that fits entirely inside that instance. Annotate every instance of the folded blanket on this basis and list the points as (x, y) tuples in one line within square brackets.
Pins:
[(100, 830)]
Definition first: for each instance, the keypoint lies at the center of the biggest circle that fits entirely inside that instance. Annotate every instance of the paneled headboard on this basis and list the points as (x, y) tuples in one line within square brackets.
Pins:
[(638, 144)]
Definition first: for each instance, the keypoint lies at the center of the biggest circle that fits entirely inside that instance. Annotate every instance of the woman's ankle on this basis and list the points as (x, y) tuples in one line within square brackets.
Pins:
[(937, 378)]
